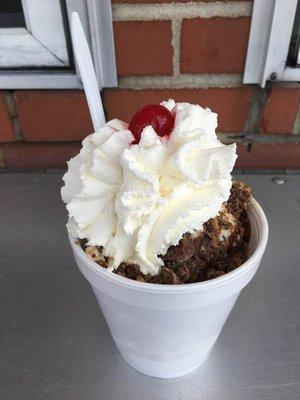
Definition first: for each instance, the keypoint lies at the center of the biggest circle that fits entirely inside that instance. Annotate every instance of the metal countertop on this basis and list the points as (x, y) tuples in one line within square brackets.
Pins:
[(54, 343)]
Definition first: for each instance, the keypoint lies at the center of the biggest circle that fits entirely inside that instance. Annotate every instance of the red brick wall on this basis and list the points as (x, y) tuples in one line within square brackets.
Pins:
[(191, 52)]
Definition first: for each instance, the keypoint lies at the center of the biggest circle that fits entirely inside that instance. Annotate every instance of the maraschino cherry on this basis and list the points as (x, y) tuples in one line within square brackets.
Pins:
[(159, 117)]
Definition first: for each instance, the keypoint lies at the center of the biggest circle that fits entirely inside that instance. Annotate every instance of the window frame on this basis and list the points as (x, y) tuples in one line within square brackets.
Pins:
[(269, 42), (96, 19), (38, 44)]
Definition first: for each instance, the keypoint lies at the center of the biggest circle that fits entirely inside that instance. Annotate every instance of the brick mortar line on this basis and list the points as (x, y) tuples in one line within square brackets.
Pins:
[(236, 171), (176, 36), (228, 139), (282, 84), (9, 98), (273, 139), (259, 99), (243, 138), (181, 81), (2, 160), (42, 142), (163, 11), (10, 102), (229, 136), (296, 126), (189, 81)]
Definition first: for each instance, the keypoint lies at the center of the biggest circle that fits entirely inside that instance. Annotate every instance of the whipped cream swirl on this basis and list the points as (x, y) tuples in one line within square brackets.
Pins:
[(138, 200)]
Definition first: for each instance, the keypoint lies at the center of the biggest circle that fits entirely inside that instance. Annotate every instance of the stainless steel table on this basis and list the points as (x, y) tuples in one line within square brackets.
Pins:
[(55, 343)]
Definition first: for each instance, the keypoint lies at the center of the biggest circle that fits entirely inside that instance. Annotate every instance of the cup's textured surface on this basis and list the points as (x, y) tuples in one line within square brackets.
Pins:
[(168, 330)]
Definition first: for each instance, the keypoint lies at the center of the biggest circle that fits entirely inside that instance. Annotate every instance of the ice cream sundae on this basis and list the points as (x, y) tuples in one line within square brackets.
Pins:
[(154, 200)]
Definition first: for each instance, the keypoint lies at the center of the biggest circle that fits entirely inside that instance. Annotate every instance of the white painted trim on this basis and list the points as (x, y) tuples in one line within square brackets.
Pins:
[(13, 31), (40, 81), (258, 39), (39, 44), (18, 48), (291, 74), (96, 20), (103, 47), (271, 29), (45, 22), (81, 7)]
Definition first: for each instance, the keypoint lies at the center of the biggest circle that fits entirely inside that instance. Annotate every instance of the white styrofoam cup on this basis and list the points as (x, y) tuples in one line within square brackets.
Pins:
[(168, 330)]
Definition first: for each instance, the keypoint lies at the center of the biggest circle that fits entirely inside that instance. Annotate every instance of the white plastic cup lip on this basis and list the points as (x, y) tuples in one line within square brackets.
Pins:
[(198, 286)]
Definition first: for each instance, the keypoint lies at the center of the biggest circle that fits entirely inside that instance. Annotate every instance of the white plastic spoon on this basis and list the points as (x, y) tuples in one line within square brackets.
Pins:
[(87, 71)]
